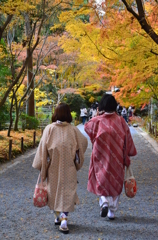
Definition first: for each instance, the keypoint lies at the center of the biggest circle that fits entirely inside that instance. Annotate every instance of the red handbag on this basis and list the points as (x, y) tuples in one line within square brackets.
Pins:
[(130, 183), (40, 197)]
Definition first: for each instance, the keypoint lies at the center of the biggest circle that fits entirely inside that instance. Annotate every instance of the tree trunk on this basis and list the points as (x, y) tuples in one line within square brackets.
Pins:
[(17, 115), (11, 119), (16, 121), (31, 101)]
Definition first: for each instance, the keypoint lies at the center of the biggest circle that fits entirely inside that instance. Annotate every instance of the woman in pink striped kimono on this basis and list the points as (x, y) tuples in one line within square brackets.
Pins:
[(108, 132)]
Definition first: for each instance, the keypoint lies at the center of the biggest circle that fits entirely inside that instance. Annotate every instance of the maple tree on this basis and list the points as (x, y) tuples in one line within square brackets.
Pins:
[(136, 73), (142, 17), (117, 46)]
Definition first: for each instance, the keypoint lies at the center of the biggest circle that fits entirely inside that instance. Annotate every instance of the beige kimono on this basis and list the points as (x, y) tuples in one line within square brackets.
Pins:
[(59, 143)]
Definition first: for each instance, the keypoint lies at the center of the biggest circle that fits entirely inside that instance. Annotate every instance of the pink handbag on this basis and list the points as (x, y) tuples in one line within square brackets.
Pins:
[(40, 197)]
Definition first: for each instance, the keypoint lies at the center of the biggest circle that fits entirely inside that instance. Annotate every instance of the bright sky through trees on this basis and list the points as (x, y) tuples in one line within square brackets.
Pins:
[(99, 1)]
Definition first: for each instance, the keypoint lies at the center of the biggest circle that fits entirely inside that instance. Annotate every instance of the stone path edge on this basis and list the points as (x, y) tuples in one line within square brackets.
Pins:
[(148, 138), (13, 162)]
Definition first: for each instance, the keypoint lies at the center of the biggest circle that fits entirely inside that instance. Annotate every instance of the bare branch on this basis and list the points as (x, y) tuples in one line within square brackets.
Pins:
[(142, 19), (155, 53), (97, 47), (8, 20)]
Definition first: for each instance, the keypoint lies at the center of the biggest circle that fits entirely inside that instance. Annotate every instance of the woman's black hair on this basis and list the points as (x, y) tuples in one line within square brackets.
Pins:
[(107, 103), (62, 113), (83, 106)]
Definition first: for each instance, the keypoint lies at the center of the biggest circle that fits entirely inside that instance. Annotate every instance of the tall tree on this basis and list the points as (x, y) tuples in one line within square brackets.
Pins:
[(115, 42), (31, 102)]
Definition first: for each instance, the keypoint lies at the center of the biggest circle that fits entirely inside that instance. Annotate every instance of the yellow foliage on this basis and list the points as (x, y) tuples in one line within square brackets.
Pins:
[(112, 49), (118, 43), (51, 72), (56, 26), (67, 16), (43, 103), (12, 7), (93, 87), (78, 2), (2, 53), (92, 99), (41, 98), (19, 93)]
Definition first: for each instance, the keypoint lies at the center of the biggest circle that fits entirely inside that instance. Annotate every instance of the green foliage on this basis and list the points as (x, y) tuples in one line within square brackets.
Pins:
[(19, 30), (4, 72), (4, 115), (44, 116), (84, 18), (73, 114), (58, 29), (97, 97), (29, 122), (74, 101)]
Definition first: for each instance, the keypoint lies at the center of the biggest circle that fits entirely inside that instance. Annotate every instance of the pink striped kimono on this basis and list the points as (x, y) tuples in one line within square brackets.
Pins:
[(106, 172)]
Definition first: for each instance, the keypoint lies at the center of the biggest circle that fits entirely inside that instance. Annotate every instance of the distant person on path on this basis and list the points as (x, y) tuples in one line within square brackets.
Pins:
[(119, 109), (130, 111), (94, 109), (124, 114), (59, 143), (129, 114), (83, 114), (94, 112), (90, 113), (106, 172)]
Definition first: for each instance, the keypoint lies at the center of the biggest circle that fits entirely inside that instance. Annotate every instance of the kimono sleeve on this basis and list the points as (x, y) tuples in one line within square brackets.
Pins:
[(91, 128), (131, 150), (82, 144), (40, 160), (130, 147)]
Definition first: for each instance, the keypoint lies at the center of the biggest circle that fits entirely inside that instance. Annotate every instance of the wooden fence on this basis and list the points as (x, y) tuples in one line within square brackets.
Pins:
[(22, 144)]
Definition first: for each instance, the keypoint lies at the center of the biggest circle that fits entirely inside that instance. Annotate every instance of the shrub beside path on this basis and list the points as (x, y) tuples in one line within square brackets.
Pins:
[(136, 218)]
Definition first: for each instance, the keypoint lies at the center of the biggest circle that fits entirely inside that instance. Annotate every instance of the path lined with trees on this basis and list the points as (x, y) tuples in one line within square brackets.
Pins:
[(136, 218), (50, 48)]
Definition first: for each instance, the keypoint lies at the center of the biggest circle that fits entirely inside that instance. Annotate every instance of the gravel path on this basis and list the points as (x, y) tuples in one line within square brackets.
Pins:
[(136, 218)]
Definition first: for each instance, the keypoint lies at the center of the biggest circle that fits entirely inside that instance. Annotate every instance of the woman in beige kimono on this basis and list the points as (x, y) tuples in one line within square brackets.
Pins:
[(60, 143)]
